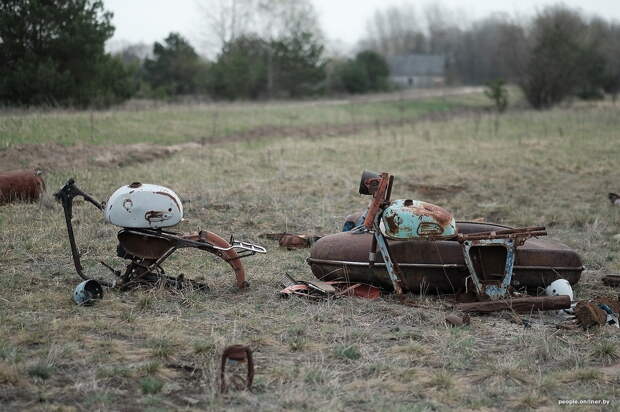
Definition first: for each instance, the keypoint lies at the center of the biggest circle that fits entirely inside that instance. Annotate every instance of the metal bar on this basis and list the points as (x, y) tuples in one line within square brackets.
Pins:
[(391, 266), (251, 247), (432, 265), (348, 263)]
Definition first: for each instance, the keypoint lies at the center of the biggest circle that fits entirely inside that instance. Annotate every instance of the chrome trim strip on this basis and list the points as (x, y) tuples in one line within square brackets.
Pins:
[(433, 265)]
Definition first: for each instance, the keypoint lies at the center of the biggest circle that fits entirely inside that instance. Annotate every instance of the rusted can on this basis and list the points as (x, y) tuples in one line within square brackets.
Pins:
[(24, 185)]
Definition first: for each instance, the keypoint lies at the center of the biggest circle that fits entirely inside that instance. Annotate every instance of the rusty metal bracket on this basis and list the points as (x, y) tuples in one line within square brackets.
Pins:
[(491, 290), (65, 196), (237, 354), (391, 265), (509, 239)]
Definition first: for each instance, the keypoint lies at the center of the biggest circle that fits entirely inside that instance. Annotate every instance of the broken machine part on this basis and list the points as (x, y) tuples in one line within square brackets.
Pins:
[(415, 246), (318, 290), (144, 212)]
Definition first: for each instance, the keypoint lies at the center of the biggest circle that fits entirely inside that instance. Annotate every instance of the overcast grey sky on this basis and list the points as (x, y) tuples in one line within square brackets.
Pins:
[(343, 21)]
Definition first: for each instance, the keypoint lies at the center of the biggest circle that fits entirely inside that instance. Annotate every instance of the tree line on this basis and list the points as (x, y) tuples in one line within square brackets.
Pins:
[(558, 53), (53, 53)]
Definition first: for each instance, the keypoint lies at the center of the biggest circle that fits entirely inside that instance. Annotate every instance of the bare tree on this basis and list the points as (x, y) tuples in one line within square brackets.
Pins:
[(226, 20), (393, 31)]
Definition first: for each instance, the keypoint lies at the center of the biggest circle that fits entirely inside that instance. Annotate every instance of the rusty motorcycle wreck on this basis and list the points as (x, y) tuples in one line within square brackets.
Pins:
[(145, 212), (409, 245)]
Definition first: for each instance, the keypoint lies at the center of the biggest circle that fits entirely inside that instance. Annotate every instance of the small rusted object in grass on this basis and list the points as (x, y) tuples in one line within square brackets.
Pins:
[(455, 319), (23, 185), (612, 280), (292, 240), (237, 354), (589, 314), (519, 305)]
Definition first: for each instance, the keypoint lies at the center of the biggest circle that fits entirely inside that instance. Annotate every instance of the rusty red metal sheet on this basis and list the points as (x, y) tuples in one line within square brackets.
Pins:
[(21, 185)]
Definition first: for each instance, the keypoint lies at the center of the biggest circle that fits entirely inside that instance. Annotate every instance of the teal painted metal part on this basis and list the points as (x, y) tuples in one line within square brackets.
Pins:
[(409, 219)]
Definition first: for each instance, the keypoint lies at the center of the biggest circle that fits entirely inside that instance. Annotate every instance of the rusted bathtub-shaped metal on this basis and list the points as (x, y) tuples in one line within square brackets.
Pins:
[(438, 266)]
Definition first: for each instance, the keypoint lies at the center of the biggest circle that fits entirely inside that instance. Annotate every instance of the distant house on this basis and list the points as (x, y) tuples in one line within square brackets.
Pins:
[(417, 70)]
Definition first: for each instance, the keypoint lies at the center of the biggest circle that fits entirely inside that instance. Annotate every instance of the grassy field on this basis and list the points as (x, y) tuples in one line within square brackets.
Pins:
[(159, 350), (162, 123)]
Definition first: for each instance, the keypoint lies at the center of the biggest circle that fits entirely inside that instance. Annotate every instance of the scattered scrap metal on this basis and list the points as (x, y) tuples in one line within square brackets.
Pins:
[(405, 238), (145, 212), (21, 185), (236, 355), (291, 240), (318, 290)]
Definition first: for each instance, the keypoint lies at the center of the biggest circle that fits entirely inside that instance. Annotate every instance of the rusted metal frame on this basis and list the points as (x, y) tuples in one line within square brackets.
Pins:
[(391, 266), (518, 233), (417, 265), (180, 242), (378, 199), (66, 195), (492, 291), (237, 353)]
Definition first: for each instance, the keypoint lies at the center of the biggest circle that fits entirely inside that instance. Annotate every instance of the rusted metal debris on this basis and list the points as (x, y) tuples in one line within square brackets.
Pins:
[(21, 185), (235, 355), (508, 239), (455, 319), (145, 239), (291, 240), (595, 312), (589, 314), (519, 305), (612, 280), (318, 290)]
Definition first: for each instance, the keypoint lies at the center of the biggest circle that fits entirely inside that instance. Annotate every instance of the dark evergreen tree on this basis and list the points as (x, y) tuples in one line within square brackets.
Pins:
[(175, 68), (297, 63), (241, 69), (52, 52)]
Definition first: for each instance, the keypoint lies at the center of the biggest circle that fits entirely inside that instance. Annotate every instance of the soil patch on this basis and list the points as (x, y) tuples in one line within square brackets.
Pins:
[(53, 156), (434, 191)]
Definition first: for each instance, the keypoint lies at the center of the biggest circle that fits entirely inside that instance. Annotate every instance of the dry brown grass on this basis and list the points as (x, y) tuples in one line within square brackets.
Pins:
[(153, 349)]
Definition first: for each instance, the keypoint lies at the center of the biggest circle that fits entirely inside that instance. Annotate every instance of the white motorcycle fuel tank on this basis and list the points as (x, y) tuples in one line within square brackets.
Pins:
[(143, 206)]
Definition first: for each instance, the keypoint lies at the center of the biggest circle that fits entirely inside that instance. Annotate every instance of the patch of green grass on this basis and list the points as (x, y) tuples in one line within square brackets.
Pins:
[(114, 372), (441, 380), (588, 375), (296, 339), (162, 347), (151, 368), (350, 352), (41, 371), (607, 352), (151, 385), (203, 347)]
